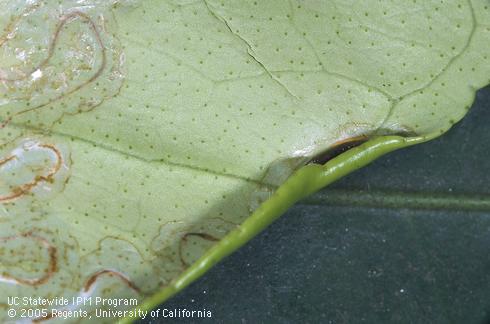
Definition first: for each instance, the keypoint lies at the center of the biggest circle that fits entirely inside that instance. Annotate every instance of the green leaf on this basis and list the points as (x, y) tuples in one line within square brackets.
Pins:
[(143, 141)]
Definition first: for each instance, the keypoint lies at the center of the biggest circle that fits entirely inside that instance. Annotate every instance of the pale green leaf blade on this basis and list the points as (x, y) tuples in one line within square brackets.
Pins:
[(135, 135)]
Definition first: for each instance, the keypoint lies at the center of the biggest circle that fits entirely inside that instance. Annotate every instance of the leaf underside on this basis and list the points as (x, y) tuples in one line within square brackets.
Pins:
[(135, 135)]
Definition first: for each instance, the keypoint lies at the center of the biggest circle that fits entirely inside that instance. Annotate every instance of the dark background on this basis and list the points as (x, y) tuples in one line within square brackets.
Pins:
[(405, 240)]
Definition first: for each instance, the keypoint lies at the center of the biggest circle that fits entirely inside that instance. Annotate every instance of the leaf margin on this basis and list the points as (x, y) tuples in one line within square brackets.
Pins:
[(303, 182)]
